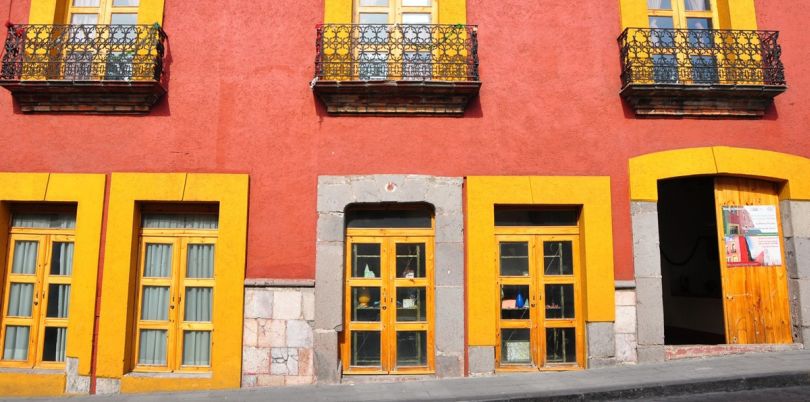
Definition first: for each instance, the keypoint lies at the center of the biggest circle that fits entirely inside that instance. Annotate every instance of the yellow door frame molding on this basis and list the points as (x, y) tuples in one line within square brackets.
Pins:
[(483, 193), (791, 170), (118, 296), (87, 192)]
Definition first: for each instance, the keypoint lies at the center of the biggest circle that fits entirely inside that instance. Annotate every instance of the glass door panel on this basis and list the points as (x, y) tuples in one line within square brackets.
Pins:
[(366, 349), (412, 301), (410, 260), (388, 304), (539, 268), (515, 303), (366, 305), (412, 348), (561, 346), (412, 304), (516, 346), (366, 260), (21, 302), (560, 325)]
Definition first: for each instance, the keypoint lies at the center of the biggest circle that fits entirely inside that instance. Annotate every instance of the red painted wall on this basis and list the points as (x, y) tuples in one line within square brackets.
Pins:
[(239, 101)]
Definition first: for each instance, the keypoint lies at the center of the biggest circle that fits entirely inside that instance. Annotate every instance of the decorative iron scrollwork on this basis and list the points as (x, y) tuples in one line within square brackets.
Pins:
[(83, 52), (701, 57), (349, 52)]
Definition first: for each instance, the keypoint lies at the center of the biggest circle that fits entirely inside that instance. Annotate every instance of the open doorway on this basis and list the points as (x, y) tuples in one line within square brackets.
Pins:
[(690, 262)]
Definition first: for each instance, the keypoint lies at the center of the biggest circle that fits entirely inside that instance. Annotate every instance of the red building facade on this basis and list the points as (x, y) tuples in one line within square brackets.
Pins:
[(239, 103)]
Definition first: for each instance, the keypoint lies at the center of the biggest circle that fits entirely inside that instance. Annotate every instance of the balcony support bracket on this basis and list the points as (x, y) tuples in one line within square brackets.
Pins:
[(427, 98), (85, 97), (681, 100)]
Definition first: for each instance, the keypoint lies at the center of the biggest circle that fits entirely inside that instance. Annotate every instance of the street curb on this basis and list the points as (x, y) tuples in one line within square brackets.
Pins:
[(670, 388)]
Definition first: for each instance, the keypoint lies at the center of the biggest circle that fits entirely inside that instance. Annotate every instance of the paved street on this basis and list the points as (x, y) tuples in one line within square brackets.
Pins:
[(786, 394), (700, 376)]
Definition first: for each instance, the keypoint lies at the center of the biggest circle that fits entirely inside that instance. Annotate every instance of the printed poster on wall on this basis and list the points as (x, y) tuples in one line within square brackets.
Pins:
[(752, 236)]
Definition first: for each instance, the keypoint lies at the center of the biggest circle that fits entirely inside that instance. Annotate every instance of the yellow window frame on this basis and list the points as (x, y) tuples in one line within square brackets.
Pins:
[(388, 326), (104, 10), (41, 279), (536, 280), (395, 10), (177, 282), (679, 13)]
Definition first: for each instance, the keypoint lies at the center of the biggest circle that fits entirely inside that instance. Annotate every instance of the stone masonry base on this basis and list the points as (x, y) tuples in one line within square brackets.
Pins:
[(278, 338)]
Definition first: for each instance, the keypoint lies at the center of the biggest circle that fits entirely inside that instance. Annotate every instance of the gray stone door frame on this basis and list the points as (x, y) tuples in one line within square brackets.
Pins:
[(335, 193), (647, 263)]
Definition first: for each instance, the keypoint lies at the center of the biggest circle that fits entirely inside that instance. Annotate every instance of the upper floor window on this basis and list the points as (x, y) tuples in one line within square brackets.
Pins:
[(92, 41), (687, 44), (395, 11), (685, 14), (103, 12)]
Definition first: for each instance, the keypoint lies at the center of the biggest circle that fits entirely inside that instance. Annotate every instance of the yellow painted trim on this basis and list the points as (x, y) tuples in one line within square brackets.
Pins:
[(118, 287), (150, 12), (732, 14), (21, 384), (87, 191), (52, 12), (452, 11), (484, 192), (340, 11), (44, 12), (646, 170)]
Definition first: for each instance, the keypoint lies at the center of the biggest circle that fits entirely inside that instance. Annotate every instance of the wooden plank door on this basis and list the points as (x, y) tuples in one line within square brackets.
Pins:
[(752, 263)]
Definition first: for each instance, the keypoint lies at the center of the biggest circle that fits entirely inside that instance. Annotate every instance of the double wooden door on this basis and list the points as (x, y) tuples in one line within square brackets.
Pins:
[(752, 264), (388, 303), (540, 317)]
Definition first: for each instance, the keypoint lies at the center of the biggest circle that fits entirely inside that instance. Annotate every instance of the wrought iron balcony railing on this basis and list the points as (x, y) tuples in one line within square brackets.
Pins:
[(701, 57), (350, 52), (83, 53)]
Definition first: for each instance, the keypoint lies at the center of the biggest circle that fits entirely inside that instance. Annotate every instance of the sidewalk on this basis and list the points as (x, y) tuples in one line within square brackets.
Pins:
[(628, 382)]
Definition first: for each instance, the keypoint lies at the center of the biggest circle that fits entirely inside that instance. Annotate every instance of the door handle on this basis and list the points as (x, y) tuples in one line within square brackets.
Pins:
[(385, 307)]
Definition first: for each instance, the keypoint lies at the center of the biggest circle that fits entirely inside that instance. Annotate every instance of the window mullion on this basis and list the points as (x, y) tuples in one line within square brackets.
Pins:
[(177, 288), (36, 333)]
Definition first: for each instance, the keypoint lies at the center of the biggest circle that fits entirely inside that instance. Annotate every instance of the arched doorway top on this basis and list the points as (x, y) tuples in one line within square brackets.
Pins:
[(792, 170)]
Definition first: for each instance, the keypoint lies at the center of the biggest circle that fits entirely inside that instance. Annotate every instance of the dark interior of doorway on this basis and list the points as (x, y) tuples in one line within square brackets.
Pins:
[(690, 262)]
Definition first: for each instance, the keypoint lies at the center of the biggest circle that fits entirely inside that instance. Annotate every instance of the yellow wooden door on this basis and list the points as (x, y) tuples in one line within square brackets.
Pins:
[(752, 264), (389, 303), (540, 317)]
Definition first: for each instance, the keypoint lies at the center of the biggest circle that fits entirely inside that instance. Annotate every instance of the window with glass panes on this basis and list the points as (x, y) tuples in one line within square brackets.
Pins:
[(540, 320), (81, 55), (36, 292), (176, 277), (388, 293), (415, 49), (697, 16), (102, 12)]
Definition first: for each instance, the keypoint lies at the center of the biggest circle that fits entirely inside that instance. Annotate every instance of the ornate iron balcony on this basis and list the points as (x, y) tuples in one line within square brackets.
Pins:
[(709, 71), (701, 56), (84, 68), (348, 52), (396, 69), (83, 52)]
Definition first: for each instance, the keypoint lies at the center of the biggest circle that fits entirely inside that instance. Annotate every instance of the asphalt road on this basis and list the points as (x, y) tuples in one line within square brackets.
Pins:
[(788, 394)]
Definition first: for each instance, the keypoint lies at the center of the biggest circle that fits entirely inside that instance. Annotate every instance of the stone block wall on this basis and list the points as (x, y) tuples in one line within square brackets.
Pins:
[(277, 346), (796, 229), (625, 326)]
